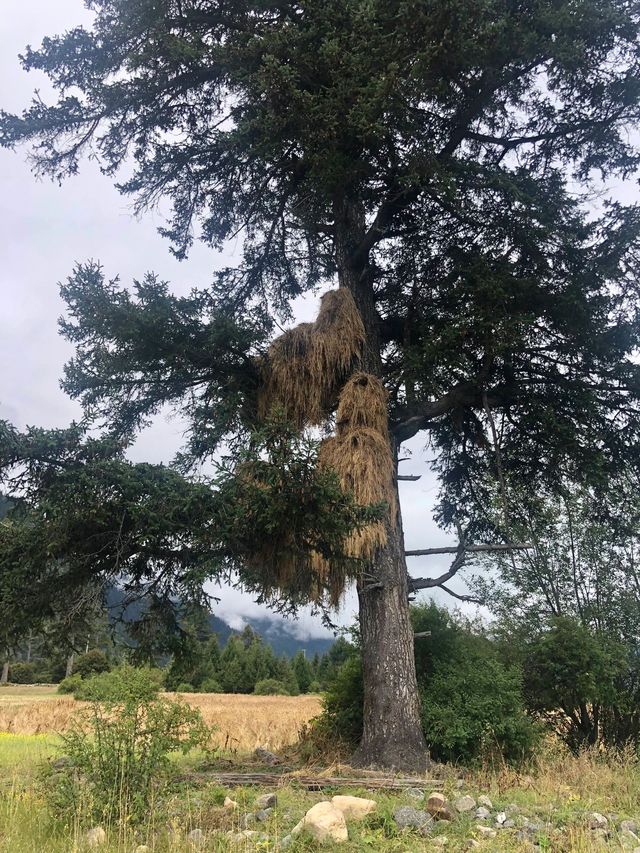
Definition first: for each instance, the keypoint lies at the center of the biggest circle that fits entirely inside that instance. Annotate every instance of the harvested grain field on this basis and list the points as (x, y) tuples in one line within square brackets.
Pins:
[(242, 722)]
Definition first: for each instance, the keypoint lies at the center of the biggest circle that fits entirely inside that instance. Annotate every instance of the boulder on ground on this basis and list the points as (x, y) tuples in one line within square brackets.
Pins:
[(230, 804), (196, 838), (266, 801), (483, 800), (409, 818), (266, 756), (464, 804), (96, 837), (354, 808), (324, 822), (597, 821), (438, 806)]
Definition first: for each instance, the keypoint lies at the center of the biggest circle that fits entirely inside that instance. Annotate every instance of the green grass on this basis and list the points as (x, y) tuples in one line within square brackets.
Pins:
[(560, 792)]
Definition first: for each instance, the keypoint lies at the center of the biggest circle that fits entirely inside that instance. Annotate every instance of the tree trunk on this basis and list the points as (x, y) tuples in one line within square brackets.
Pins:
[(70, 662), (392, 731), (4, 676)]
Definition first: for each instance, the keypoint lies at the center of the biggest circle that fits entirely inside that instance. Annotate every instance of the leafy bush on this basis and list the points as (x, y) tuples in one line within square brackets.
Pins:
[(210, 685), (315, 687), (92, 663), (270, 687), (584, 685), (23, 673), (118, 748), (472, 707), (472, 702), (185, 688), (70, 684)]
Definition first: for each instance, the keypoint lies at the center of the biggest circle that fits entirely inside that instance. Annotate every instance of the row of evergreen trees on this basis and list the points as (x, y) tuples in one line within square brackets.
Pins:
[(248, 664)]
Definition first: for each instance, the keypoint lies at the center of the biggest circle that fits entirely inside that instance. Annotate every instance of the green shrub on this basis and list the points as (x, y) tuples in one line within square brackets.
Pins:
[(92, 663), (70, 684), (270, 687), (118, 748), (472, 707), (210, 685), (185, 688), (23, 673), (472, 703), (315, 687)]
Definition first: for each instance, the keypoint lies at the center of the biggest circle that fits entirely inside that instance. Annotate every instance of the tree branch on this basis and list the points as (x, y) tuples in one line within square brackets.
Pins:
[(472, 549)]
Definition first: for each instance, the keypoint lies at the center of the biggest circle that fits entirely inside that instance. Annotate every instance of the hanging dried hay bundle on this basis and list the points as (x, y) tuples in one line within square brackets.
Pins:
[(338, 336), (363, 403), (362, 460), (305, 367)]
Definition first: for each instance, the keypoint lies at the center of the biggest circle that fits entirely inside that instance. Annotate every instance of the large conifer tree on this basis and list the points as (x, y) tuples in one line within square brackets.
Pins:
[(432, 158)]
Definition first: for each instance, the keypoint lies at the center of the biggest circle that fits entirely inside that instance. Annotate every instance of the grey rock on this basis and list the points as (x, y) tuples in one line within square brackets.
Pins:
[(628, 838), (247, 820), (500, 818), (96, 837), (464, 804), (415, 793), (508, 824), (263, 814), (196, 838), (482, 813), (409, 818), (483, 800), (597, 821), (286, 841), (266, 801), (266, 757), (628, 825)]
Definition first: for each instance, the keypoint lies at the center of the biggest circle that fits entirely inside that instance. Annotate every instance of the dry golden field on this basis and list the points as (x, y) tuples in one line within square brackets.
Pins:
[(242, 722)]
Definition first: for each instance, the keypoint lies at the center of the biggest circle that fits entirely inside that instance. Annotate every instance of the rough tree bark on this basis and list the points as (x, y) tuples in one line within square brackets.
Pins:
[(392, 733), (4, 675)]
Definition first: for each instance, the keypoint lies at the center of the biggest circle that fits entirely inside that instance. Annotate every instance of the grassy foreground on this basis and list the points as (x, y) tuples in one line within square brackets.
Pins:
[(556, 798), (548, 808)]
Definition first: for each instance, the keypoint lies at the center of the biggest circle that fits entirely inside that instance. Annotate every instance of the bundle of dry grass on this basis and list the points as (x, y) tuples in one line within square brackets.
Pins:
[(305, 367), (360, 454)]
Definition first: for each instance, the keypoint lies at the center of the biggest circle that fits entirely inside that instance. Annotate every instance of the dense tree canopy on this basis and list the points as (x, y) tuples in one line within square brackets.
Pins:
[(442, 162)]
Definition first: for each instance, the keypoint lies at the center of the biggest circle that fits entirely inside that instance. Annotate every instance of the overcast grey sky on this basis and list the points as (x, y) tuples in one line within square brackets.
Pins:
[(46, 228)]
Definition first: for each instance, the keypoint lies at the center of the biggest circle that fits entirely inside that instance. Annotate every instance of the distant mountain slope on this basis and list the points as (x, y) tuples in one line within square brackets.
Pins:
[(276, 632)]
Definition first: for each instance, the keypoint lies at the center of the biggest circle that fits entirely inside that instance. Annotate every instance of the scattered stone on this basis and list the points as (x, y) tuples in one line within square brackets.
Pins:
[(482, 813), (247, 820), (96, 836), (508, 824), (286, 842), (325, 823), (483, 800), (409, 818), (196, 838), (501, 818), (438, 806), (230, 804), (440, 841), (415, 793), (251, 834), (472, 844), (629, 838), (459, 783), (464, 804), (512, 809), (266, 757), (628, 826), (263, 814), (266, 801), (354, 808), (597, 821), (600, 832), (485, 831)]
